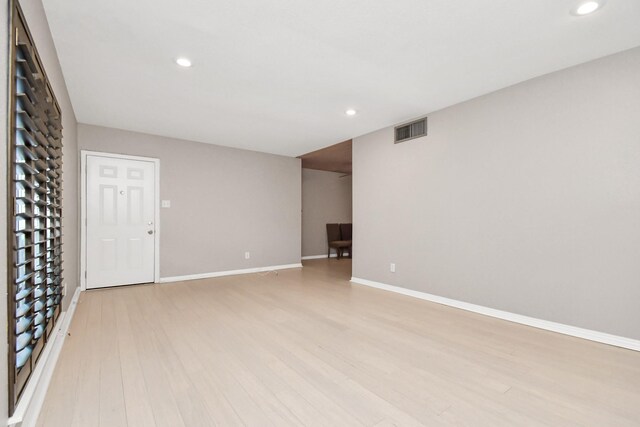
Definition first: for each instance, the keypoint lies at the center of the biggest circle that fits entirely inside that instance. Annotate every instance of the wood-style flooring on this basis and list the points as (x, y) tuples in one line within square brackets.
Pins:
[(306, 347)]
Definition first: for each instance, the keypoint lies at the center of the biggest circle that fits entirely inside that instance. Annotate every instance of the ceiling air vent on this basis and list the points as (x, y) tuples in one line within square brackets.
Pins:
[(411, 130)]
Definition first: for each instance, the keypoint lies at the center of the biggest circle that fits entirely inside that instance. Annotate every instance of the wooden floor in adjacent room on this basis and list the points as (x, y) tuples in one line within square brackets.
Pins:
[(306, 347)]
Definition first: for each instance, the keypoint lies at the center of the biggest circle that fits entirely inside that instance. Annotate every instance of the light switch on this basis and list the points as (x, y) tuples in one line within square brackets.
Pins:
[(166, 203)]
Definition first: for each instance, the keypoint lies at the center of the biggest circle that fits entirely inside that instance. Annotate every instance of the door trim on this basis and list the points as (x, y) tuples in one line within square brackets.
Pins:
[(83, 210)]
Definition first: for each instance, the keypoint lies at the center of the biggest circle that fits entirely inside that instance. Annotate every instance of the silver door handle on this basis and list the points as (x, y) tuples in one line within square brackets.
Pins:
[(150, 232)]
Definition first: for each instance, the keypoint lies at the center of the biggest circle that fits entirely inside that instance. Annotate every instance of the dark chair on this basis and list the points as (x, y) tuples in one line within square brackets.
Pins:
[(334, 240), (345, 235)]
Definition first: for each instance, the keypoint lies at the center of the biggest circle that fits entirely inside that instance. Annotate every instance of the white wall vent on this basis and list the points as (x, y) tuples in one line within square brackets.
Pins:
[(411, 130)]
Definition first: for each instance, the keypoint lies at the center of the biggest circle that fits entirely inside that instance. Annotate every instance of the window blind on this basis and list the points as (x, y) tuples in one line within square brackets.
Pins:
[(35, 262)]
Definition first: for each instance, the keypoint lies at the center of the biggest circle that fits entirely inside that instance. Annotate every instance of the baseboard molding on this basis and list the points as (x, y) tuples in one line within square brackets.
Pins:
[(304, 258), (322, 256), (30, 404), (227, 273), (573, 331)]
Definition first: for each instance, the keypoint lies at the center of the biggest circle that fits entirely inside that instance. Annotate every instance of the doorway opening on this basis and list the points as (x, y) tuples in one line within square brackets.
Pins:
[(327, 206)]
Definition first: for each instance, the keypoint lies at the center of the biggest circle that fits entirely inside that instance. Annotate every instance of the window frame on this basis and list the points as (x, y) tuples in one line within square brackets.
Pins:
[(41, 213)]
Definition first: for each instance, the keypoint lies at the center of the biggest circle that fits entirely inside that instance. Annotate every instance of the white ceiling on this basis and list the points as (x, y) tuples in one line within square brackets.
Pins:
[(276, 76)]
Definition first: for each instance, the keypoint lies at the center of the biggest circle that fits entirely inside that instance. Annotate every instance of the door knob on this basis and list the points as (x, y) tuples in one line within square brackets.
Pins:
[(150, 232)]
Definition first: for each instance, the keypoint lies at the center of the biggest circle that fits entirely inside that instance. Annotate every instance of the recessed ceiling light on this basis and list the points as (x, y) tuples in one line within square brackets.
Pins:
[(183, 62), (587, 7), (351, 112)]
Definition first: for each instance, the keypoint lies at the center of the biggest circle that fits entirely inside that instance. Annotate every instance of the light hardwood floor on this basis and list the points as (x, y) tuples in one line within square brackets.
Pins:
[(306, 347)]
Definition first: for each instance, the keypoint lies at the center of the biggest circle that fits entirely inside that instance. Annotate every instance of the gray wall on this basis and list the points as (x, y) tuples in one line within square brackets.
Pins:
[(224, 202), (37, 21), (326, 198), (525, 200)]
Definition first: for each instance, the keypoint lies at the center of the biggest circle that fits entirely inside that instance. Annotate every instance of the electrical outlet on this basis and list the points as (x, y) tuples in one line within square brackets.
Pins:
[(166, 203), (247, 255), (392, 267)]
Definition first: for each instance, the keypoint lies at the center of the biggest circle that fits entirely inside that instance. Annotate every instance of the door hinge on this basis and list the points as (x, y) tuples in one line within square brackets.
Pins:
[(85, 274)]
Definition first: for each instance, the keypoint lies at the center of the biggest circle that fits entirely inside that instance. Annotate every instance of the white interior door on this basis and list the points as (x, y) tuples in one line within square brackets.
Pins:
[(120, 225)]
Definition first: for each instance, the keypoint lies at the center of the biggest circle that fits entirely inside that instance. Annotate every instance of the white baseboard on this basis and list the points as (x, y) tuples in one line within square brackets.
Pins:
[(322, 256), (30, 404), (227, 273), (573, 331), (318, 256)]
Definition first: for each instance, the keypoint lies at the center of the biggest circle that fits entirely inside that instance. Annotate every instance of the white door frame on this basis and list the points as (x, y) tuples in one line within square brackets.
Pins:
[(83, 211)]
